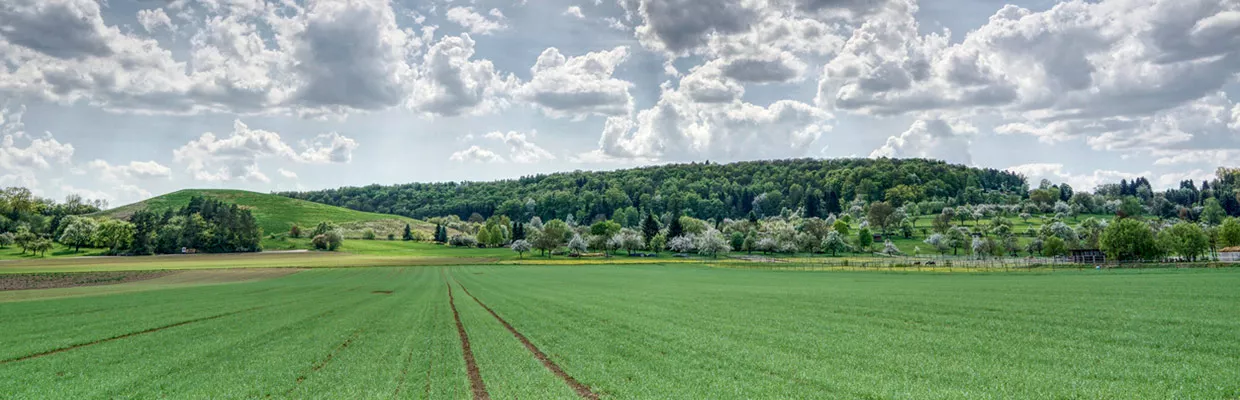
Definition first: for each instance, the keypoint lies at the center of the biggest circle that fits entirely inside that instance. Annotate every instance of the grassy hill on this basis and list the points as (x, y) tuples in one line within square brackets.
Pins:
[(276, 214)]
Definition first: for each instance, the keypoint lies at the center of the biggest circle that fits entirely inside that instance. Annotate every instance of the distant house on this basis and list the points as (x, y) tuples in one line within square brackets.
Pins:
[(1229, 254), (1088, 256)]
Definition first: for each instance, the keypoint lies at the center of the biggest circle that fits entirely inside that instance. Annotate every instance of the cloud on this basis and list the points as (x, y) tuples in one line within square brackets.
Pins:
[(287, 174), (1056, 172), (153, 20), (707, 84), (679, 127), (579, 86), (574, 11), (353, 55), (476, 154), (65, 29), (941, 139), (245, 57), (452, 84), (477, 23), (135, 170), (521, 150), (679, 26), (213, 159), (1206, 130), (22, 156), (1077, 60), (38, 153)]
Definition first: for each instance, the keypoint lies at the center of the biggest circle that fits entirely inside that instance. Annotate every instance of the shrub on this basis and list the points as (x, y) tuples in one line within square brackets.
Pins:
[(463, 241), (330, 241), (368, 234)]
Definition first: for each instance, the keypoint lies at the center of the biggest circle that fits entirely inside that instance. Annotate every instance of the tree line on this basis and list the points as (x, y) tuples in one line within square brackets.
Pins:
[(203, 225), (1185, 223), (700, 190), (30, 222)]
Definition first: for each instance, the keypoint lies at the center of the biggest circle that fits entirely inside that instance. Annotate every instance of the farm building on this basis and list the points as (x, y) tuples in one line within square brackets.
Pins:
[(1088, 256), (1229, 254)]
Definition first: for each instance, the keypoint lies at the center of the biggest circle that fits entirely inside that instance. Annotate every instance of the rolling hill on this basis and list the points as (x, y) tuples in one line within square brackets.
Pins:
[(276, 214)]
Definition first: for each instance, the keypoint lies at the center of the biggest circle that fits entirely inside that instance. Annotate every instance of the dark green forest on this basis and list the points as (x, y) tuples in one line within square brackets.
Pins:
[(701, 190)]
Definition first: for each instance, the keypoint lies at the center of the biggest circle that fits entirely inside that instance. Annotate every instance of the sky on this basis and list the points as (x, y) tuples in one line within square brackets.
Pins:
[(125, 99)]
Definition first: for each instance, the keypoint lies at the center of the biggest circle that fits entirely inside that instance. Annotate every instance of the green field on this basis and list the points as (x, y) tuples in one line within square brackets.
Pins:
[(638, 331), (276, 214)]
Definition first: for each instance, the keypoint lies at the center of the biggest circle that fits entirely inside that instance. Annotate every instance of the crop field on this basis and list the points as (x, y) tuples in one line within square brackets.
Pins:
[(635, 331)]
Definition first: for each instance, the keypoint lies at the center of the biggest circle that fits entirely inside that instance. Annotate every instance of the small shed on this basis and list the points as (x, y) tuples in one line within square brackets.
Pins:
[(1088, 256), (1229, 254)]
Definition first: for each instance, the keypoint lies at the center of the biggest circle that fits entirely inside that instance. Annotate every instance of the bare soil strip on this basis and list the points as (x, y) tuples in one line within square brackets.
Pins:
[(323, 363), (581, 389), (127, 335), (74, 279), (476, 385)]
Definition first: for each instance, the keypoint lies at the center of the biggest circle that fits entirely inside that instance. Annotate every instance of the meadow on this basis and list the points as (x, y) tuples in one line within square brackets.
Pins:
[(636, 331)]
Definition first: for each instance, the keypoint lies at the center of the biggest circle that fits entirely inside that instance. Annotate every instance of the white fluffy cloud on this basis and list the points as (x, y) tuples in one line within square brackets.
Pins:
[(19, 161), (574, 11), (452, 83), (679, 127), (520, 149), (1056, 172), (476, 154), (287, 174), (935, 138), (210, 158), (477, 23), (1077, 60), (140, 170), (579, 86), (154, 20), (1206, 130)]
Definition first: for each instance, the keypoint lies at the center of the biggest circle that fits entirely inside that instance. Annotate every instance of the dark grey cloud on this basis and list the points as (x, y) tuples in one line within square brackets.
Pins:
[(352, 57), (66, 29)]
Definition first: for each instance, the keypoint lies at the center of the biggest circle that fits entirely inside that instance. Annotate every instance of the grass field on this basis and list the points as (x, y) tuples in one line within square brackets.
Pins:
[(637, 331), (276, 214)]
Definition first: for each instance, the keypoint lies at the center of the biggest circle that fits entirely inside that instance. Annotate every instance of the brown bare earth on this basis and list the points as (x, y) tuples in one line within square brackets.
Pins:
[(476, 385), (164, 280), (581, 389), (74, 279)]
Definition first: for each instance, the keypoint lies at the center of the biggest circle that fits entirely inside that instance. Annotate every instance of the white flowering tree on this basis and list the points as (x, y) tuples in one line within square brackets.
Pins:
[(521, 247)]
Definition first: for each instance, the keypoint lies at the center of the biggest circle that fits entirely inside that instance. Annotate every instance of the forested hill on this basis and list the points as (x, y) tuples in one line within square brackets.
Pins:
[(703, 190)]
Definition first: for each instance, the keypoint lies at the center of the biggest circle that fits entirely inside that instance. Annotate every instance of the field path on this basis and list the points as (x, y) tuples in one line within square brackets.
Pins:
[(581, 389), (476, 385)]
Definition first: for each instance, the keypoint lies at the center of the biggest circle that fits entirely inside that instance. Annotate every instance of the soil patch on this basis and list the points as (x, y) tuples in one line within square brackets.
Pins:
[(54, 280), (476, 385), (581, 389)]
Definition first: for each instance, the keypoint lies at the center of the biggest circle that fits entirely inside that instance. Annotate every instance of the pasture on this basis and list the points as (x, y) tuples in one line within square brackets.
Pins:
[(636, 331)]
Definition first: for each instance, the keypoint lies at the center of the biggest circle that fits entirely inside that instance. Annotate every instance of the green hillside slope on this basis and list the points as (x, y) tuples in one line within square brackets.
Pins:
[(276, 214)]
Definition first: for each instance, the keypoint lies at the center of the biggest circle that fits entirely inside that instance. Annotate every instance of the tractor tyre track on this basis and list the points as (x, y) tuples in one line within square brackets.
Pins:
[(122, 336), (476, 385), (323, 363), (581, 389)]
